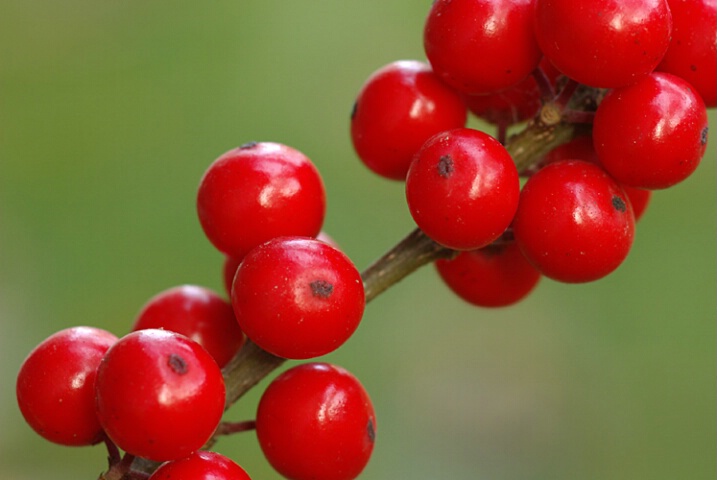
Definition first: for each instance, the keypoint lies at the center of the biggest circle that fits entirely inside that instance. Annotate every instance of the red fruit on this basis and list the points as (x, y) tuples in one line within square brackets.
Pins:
[(257, 192), (652, 134), (692, 54), (201, 465), (229, 269), (481, 46), (56, 385), (399, 107), (494, 276), (315, 422), (298, 297), (198, 313), (603, 43), (159, 394), (462, 189), (574, 222)]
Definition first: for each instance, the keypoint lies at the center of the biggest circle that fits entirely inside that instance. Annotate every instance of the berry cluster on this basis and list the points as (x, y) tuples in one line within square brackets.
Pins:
[(615, 97)]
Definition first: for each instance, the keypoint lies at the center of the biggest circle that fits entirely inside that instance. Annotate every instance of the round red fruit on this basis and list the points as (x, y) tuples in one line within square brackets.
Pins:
[(603, 43), (56, 385), (202, 465), (298, 297), (692, 54), (462, 189), (198, 313), (399, 107), (652, 134), (494, 276), (574, 222), (259, 191), (316, 422), (160, 395), (481, 46)]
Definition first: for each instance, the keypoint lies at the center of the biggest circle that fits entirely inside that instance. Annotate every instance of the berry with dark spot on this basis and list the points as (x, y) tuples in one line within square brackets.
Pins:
[(298, 297)]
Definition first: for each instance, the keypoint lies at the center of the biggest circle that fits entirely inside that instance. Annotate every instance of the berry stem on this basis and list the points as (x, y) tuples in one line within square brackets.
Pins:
[(229, 428)]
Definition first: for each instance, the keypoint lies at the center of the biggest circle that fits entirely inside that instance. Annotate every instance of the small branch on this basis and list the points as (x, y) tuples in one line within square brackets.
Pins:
[(407, 256), (229, 428), (547, 91)]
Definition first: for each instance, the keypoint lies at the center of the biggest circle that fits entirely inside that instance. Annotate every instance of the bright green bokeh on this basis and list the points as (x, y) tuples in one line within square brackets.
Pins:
[(111, 111)]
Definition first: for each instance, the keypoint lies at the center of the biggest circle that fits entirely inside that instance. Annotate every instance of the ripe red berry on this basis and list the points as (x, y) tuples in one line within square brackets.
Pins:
[(257, 192), (574, 223), (462, 189), (581, 148), (159, 394), (692, 54), (298, 297), (652, 134), (399, 107), (56, 385), (202, 465), (603, 43), (316, 422), (481, 46), (229, 269), (198, 313), (494, 276)]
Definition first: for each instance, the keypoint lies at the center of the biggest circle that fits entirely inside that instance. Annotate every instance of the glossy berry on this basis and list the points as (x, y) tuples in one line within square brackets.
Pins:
[(229, 269), (692, 54), (481, 46), (298, 297), (56, 385), (581, 148), (652, 134), (574, 222), (399, 107), (257, 192), (603, 43), (494, 276), (202, 465), (462, 189), (198, 313), (159, 394), (315, 421)]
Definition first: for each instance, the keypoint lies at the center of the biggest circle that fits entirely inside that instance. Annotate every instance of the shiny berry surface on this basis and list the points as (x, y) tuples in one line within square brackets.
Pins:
[(315, 421), (574, 222), (462, 189), (399, 107), (692, 54), (198, 313), (298, 297), (494, 276), (481, 46), (202, 465), (603, 43), (159, 394), (257, 192), (652, 134), (56, 385)]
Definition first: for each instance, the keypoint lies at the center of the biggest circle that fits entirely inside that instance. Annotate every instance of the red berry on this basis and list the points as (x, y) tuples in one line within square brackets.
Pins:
[(315, 422), (581, 148), (160, 395), (462, 189), (574, 223), (298, 297), (494, 276), (257, 192), (198, 313), (481, 46), (652, 134), (56, 385), (603, 43), (229, 269), (201, 465), (692, 54), (399, 107)]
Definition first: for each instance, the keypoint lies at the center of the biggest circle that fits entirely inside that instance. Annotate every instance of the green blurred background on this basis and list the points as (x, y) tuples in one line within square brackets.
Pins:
[(111, 111)]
